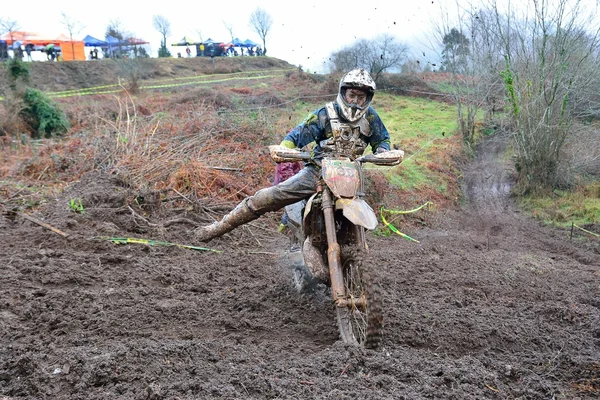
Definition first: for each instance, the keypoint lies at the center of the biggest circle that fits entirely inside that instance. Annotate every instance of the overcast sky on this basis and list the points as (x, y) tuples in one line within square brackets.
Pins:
[(304, 32)]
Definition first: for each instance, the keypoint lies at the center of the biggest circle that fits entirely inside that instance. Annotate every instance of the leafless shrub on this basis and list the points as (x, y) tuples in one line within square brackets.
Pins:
[(132, 70), (409, 85), (202, 95), (580, 156), (11, 124)]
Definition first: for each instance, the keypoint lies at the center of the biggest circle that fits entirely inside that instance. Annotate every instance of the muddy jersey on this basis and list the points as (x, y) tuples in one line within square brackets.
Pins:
[(319, 127)]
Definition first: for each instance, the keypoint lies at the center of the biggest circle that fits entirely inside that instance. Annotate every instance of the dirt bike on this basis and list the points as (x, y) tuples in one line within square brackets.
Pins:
[(331, 226)]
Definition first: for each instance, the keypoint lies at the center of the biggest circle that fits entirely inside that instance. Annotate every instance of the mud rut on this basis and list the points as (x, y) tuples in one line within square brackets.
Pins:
[(489, 305)]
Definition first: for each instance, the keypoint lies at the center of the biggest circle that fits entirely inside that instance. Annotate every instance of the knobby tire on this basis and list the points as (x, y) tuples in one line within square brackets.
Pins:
[(356, 325)]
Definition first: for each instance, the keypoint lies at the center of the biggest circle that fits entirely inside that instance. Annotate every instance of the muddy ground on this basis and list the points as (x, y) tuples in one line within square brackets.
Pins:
[(489, 305)]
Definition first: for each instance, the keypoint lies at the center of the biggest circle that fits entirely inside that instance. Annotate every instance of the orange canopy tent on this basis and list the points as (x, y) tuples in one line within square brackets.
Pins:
[(26, 38), (71, 50)]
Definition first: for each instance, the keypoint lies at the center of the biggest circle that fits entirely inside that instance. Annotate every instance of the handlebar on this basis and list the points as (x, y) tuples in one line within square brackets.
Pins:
[(284, 154)]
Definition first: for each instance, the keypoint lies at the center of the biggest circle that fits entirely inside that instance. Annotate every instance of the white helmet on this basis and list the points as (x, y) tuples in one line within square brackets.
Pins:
[(358, 79)]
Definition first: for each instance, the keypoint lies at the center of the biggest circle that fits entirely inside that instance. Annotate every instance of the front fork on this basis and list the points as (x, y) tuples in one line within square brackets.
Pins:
[(333, 251)]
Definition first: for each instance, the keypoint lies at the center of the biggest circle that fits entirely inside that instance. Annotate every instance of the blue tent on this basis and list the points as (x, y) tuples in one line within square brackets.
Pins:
[(237, 42), (113, 41), (116, 47), (92, 41), (249, 43)]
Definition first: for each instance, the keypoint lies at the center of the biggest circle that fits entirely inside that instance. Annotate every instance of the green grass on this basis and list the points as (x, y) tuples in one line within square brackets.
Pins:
[(581, 207), (416, 118), (76, 206), (422, 128)]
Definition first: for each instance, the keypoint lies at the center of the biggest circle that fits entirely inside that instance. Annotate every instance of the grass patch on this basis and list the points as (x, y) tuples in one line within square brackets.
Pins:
[(425, 130), (410, 117), (581, 207)]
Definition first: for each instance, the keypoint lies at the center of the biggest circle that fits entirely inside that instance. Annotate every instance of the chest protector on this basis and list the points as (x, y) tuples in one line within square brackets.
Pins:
[(347, 139)]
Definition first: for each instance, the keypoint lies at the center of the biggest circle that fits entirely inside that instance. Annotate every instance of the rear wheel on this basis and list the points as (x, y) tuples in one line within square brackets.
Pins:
[(360, 321)]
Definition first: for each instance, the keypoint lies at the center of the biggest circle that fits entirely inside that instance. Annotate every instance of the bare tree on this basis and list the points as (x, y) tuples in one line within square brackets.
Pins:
[(9, 26), (550, 58), (471, 54), (74, 27), (163, 26), (261, 22), (382, 54), (538, 62), (115, 30), (229, 28), (412, 66)]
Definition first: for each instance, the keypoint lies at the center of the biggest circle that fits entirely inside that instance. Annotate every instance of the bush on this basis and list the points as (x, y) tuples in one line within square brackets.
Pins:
[(163, 52), (17, 71), (43, 116)]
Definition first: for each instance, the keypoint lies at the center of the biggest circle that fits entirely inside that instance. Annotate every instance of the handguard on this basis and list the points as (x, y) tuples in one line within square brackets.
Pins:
[(281, 153), (390, 158)]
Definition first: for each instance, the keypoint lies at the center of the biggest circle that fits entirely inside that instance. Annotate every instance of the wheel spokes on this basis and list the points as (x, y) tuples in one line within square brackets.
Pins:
[(356, 302)]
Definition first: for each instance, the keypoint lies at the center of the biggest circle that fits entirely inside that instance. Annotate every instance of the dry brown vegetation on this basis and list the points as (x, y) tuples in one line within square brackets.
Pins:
[(199, 142)]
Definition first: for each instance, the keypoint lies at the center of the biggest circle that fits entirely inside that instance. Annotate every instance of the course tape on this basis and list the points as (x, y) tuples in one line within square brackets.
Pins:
[(189, 80), (586, 231), (392, 227), (157, 84), (150, 242)]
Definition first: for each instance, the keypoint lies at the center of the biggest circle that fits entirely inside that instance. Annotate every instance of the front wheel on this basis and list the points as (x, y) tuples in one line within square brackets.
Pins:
[(360, 322)]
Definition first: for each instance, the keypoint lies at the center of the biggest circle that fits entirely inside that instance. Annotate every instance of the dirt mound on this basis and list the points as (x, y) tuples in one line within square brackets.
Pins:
[(489, 305)]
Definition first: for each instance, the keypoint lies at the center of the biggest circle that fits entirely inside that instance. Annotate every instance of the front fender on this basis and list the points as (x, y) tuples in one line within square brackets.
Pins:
[(358, 212)]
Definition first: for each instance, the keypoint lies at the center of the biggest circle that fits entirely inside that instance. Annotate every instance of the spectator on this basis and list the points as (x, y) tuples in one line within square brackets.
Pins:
[(28, 49), (188, 51), (50, 52), (17, 51), (202, 49), (95, 53)]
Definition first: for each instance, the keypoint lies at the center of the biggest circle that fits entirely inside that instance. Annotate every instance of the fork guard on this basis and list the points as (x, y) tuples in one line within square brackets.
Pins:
[(358, 211)]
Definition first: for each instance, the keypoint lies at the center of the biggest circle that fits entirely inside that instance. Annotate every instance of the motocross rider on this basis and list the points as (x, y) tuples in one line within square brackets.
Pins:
[(351, 113)]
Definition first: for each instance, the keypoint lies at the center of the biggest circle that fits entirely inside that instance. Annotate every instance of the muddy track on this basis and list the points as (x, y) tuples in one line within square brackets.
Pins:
[(489, 305)]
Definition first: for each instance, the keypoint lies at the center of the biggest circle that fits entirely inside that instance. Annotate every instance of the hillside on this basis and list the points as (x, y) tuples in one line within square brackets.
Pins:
[(59, 76)]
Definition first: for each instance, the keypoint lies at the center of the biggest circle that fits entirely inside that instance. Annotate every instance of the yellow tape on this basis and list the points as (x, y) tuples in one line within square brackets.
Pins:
[(586, 231), (392, 227), (406, 212), (192, 80), (153, 243)]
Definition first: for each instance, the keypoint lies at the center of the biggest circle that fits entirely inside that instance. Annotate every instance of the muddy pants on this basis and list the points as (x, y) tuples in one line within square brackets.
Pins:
[(298, 187)]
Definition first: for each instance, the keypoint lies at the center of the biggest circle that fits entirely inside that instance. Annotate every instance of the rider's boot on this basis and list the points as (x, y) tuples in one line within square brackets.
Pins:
[(240, 215), (314, 262)]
